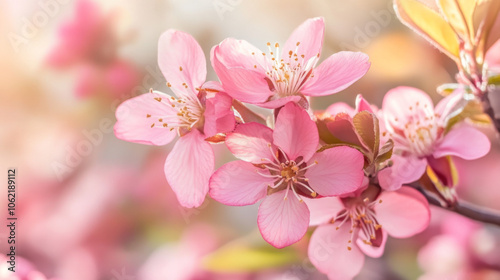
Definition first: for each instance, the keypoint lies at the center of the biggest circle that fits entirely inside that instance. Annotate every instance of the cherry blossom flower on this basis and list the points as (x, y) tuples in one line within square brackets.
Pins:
[(199, 111), (390, 176), (282, 167), (287, 73), (352, 227), (422, 135), (89, 43)]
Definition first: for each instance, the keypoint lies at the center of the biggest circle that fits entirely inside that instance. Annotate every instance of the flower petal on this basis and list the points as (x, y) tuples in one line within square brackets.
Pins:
[(219, 118), (339, 171), (329, 254), (372, 251), (136, 116), (242, 74), (182, 62), (403, 213), (323, 210), (281, 221), (273, 104), (306, 39), (463, 141), (250, 142), (398, 101), (340, 107), (188, 168), (295, 132), (238, 183), (336, 73), (403, 170)]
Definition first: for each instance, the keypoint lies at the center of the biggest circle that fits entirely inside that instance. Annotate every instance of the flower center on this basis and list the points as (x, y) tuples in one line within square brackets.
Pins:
[(288, 174), (420, 132), (187, 112), (288, 75), (361, 215)]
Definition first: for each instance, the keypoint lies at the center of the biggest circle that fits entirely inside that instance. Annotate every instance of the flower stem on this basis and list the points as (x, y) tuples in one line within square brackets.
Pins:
[(464, 208)]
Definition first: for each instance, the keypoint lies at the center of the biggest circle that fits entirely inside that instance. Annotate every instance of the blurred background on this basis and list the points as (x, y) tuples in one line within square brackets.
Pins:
[(93, 207)]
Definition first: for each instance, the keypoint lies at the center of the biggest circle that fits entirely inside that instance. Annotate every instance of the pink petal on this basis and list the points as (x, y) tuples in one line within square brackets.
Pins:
[(336, 73), (403, 213), (340, 107), (363, 105), (219, 117), (281, 221), (295, 132), (309, 35), (121, 78), (250, 142), (273, 104), (181, 61), (242, 74), (89, 81), (188, 168), (329, 254), (398, 101), (76, 38), (448, 105), (323, 210), (372, 251), (463, 141), (134, 125), (238, 183), (339, 171), (403, 170)]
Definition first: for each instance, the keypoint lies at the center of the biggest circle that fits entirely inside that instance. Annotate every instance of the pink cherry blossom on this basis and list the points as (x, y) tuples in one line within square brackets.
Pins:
[(400, 171), (352, 227), (420, 136), (286, 73), (89, 43), (200, 110), (282, 167)]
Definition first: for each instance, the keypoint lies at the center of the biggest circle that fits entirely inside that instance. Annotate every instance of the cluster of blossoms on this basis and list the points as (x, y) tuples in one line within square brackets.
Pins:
[(344, 171)]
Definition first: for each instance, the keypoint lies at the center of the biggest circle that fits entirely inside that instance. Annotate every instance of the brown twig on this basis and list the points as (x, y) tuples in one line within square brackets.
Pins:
[(464, 208)]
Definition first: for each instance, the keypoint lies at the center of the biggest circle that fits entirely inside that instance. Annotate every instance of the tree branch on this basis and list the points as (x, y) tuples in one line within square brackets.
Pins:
[(466, 209)]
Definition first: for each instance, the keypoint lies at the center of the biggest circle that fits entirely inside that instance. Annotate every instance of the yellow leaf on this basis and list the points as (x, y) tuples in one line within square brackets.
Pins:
[(459, 14), (429, 24), (485, 20), (240, 258)]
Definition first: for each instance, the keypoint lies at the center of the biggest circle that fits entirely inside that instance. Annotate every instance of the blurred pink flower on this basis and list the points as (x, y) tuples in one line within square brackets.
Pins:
[(288, 73), (24, 270), (420, 137), (89, 43), (362, 224), (200, 111), (277, 163)]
